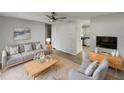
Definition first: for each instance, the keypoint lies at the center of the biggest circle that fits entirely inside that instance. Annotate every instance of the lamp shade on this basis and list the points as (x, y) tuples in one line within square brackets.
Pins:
[(48, 40)]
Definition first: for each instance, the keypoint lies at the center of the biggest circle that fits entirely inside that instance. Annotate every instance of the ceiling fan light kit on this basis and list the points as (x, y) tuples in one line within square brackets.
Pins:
[(51, 20)]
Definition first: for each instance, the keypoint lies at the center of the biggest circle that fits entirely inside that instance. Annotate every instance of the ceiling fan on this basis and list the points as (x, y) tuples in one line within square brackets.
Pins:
[(52, 17)]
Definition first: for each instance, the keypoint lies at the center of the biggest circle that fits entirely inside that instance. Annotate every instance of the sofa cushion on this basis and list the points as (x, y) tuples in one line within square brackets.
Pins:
[(101, 71), (28, 47), (12, 49), (38, 46), (75, 75), (91, 68), (14, 59), (27, 55), (21, 48), (38, 51)]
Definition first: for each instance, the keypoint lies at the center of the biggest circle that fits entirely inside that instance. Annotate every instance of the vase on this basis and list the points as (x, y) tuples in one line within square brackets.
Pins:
[(117, 53), (113, 53), (96, 50)]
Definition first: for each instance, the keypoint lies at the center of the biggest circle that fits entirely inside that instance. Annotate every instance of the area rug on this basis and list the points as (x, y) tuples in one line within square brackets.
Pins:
[(19, 73)]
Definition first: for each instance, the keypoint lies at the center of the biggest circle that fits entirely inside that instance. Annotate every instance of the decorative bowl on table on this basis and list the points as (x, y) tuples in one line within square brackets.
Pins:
[(41, 58)]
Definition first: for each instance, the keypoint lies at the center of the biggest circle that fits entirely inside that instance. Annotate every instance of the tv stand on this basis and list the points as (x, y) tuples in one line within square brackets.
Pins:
[(114, 62), (105, 52)]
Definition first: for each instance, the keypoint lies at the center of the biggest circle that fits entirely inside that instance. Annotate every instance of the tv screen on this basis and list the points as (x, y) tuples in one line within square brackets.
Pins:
[(106, 42)]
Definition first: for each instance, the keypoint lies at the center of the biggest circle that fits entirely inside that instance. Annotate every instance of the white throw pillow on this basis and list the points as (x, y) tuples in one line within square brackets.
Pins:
[(28, 47), (38, 46), (91, 68), (13, 50)]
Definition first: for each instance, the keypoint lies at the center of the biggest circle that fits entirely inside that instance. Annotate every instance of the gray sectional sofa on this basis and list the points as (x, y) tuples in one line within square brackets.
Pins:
[(15, 54)]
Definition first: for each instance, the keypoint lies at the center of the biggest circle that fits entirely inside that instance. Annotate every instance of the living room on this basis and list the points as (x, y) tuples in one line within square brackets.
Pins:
[(53, 46), (65, 42)]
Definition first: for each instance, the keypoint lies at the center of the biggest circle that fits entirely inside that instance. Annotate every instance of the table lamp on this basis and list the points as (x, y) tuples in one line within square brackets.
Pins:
[(48, 40)]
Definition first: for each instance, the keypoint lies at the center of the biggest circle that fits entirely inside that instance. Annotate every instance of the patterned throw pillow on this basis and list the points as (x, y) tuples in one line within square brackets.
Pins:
[(28, 47), (91, 68), (13, 50), (38, 46)]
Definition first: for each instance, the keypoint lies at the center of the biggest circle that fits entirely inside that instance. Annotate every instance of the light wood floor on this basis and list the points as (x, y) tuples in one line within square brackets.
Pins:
[(75, 58)]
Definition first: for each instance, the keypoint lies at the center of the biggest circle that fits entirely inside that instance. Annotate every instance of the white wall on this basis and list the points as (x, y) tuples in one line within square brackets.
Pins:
[(79, 24), (109, 25), (8, 24), (64, 37), (67, 36)]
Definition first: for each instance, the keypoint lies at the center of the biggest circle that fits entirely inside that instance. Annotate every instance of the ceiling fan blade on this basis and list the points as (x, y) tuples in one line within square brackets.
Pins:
[(52, 17), (48, 16), (61, 18)]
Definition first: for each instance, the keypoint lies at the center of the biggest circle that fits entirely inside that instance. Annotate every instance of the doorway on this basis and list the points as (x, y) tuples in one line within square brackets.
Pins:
[(85, 37), (48, 32)]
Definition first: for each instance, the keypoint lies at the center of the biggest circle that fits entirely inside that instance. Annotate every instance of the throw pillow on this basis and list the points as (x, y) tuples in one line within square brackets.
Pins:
[(91, 68), (38, 46), (28, 47), (101, 71), (13, 50)]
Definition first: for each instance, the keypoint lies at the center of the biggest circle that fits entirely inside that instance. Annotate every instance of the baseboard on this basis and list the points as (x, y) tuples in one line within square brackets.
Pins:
[(66, 52)]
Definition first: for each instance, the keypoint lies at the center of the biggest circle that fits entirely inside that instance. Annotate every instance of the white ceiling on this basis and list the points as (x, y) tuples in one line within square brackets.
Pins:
[(40, 16)]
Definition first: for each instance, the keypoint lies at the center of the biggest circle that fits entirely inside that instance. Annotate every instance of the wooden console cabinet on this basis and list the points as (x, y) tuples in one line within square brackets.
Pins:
[(115, 62)]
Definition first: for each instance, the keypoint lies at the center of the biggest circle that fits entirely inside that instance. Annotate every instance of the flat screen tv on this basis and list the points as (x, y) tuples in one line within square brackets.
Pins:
[(106, 42)]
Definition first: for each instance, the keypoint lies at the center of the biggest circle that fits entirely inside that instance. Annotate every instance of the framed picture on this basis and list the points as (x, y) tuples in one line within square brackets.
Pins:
[(22, 33)]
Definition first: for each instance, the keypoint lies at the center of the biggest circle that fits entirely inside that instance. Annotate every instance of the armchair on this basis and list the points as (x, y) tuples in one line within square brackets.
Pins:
[(99, 73)]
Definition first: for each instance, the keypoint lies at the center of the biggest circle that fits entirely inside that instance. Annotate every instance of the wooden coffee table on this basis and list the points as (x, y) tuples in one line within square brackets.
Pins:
[(34, 68)]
